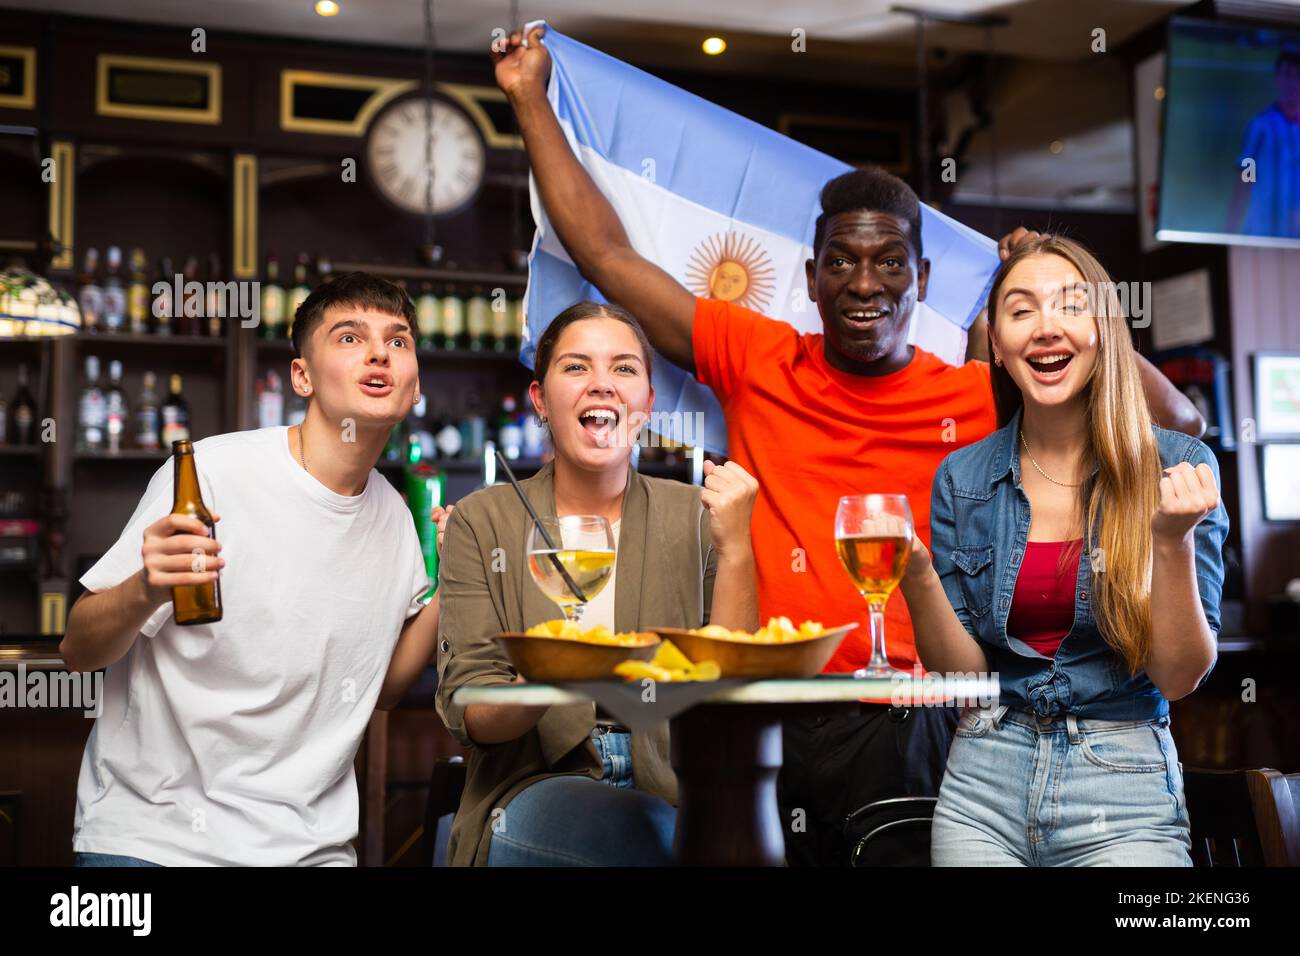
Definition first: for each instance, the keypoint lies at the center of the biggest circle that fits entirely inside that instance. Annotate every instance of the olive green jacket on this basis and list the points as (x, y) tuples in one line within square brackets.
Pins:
[(666, 568)]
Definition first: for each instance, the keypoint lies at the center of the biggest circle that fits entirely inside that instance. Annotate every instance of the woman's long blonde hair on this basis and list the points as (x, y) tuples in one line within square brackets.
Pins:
[(1118, 501)]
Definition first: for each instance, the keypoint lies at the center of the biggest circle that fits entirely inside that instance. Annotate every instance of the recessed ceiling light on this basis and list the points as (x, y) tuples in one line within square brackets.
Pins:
[(1160, 93), (326, 8), (714, 45), (1056, 146)]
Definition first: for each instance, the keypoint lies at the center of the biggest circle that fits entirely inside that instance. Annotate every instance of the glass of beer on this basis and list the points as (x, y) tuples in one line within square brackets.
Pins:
[(873, 535), (571, 559)]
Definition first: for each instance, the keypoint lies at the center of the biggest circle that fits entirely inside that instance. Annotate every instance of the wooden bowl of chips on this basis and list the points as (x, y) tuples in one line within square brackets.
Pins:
[(574, 655), (778, 650)]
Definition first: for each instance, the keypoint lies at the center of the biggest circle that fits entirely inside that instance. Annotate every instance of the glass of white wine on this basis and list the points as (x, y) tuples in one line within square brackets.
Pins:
[(571, 559), (873, 535)]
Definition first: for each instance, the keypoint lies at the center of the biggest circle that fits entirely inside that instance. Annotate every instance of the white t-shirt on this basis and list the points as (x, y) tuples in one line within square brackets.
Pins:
[(233, 743)]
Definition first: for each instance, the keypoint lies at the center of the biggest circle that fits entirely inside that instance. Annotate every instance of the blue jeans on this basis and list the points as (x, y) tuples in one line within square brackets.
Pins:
[(577, 821), (110, 859), (1025, 791)]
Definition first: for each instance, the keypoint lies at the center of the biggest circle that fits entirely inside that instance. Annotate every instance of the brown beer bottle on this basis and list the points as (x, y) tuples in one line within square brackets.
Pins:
[(196, 603)]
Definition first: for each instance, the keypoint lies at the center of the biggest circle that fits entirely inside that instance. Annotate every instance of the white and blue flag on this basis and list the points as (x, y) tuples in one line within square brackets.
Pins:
[(724, 205)]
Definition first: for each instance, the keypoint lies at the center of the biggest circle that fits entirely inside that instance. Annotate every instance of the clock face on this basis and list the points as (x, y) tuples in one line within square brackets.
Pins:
[(396, 158)]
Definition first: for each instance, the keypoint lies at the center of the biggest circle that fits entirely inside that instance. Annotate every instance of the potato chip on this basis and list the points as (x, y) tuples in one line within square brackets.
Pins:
[(706, 670), (670, 658), (600, 634), (778, 630), (669, 665), (640, 670)]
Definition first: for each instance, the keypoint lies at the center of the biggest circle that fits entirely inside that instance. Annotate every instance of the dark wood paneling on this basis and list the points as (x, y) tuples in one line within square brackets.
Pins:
[(40, 754), (1265, 290)]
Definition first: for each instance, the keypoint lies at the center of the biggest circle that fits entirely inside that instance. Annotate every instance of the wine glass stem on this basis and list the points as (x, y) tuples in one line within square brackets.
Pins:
[(878, 656)]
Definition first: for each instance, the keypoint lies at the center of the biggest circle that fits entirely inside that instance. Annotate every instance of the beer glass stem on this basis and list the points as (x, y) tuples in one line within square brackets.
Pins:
[(879, 660)]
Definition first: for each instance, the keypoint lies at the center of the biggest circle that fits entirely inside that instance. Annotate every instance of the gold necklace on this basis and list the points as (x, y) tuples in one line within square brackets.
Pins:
[(302, 450), (1039, 467)]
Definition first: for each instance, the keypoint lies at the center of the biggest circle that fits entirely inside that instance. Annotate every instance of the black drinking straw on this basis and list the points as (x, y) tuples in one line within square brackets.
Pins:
[(555, 558)]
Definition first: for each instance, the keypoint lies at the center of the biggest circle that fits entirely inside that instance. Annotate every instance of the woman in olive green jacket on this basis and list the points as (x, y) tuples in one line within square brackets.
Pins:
[(553, 785)]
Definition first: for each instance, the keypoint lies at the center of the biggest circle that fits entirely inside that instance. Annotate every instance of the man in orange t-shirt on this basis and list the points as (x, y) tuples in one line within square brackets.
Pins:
[(817, 433), (813, 417)]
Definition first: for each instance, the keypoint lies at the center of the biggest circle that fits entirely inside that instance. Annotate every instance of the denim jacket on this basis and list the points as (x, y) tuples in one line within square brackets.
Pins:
[(979, 524)]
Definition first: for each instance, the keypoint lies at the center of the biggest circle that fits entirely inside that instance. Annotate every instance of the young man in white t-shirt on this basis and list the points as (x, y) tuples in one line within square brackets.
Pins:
[(233, 743)]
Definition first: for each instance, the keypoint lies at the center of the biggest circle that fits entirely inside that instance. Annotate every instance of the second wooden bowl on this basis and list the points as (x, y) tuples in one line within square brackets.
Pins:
[(749, 659), (549, 660)]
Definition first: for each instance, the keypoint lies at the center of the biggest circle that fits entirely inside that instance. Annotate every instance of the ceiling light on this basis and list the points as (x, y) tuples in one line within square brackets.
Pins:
[(1056, 146), (326, 8), (714, 45)]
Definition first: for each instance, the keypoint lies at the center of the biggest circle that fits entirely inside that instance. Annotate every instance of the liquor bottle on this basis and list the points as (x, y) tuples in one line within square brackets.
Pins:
[(137, 294), (90, 296), (396, 442), (146, 415), (270, 401), (214, 306), (453, 320), (116, 415), (510, 436), (520, 324), (90, 410), (273, 300), (478, 320), (114, 317), (446, 436), (189, 311), (298, 294), (22, 413), (502, 320), (420, 441), (195, 603), (426, 316), (473, 427), (426, 488), (175, 415), (164, 306)]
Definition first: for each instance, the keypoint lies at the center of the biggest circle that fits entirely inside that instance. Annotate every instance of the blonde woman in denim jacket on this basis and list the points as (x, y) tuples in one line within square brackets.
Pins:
[(1075, 765)]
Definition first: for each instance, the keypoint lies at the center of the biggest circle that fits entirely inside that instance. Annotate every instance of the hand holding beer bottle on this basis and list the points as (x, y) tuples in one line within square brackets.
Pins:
[(180, 551), (172, 547)]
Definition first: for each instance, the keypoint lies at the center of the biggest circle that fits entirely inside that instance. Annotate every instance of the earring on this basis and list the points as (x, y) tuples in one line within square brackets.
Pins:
[(542, 419), (996, 360)]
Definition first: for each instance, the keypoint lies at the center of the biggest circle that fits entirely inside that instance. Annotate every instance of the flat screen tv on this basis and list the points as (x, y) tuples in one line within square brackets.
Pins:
[(1230, 154)]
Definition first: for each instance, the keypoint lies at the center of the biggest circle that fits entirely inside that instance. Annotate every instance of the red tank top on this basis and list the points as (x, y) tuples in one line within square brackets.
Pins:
[(1042, 608)]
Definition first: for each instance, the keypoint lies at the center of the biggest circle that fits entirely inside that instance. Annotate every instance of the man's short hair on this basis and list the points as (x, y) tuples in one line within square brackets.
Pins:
[(351, 290), (874, 190)]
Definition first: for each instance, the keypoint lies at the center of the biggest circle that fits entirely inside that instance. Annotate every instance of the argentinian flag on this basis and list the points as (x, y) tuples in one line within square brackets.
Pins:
[(724, 205)]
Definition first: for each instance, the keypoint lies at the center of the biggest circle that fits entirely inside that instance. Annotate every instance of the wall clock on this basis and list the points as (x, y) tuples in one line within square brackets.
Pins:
[(395, 156)]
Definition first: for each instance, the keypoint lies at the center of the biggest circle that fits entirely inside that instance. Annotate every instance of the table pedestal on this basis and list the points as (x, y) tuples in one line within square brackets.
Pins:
[(727, 758)]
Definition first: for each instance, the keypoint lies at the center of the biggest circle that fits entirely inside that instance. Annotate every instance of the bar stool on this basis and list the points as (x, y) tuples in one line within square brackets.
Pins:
[(446, 784)]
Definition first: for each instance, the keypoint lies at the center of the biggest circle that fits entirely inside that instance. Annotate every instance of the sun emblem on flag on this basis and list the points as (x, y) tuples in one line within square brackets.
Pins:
[(734, 268)]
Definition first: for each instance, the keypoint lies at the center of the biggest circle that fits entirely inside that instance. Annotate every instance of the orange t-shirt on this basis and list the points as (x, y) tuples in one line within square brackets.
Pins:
[(810, 434)]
